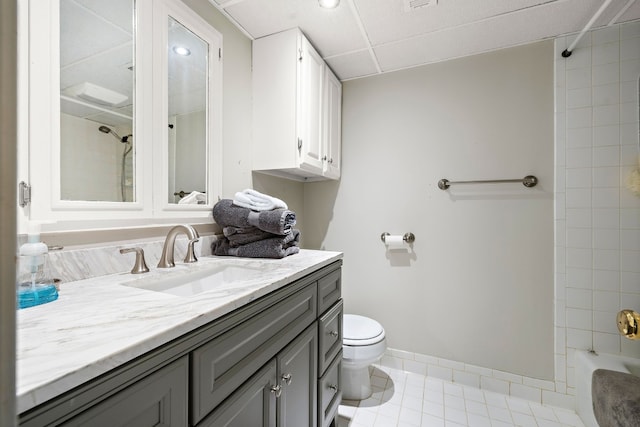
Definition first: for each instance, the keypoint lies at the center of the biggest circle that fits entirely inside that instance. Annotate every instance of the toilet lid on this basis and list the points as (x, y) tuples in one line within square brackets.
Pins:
[(360, 330)]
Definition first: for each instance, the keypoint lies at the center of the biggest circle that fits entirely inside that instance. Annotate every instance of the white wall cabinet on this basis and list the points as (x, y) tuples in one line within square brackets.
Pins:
[(296, 109)]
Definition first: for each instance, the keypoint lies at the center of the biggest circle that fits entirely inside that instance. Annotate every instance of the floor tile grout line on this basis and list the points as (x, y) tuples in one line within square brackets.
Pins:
[(394, 395)]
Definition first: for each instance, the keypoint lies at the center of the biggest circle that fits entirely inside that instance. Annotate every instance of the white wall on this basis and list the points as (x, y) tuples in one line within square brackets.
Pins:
[(88, 155), (597, 218), (478, 286)]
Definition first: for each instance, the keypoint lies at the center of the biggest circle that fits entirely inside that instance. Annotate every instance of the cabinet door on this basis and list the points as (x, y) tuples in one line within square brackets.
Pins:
[(309, 118), (332, 125), (297, 406), (159, 400), (252, 405)]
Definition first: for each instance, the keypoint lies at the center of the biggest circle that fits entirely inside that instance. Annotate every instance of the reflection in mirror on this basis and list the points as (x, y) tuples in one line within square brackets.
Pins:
[(188, 58), (96, 100)]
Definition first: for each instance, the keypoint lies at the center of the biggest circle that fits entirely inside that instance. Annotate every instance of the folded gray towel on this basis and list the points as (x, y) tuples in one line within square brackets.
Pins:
[(274, 247), (239, 236), (277, 221)]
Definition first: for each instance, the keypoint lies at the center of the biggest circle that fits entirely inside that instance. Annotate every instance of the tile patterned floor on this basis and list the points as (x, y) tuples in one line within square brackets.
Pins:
[(404, 399)]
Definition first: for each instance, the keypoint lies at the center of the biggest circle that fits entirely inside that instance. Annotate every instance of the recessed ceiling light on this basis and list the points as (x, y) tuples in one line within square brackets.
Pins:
[(329, 4), (181, 50)]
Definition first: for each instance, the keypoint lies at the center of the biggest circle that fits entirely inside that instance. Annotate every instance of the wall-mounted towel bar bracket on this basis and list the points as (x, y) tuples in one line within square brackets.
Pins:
[(527, 181)]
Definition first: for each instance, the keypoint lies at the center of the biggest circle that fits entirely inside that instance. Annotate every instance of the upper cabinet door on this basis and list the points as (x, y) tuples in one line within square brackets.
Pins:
[(311, 76), (332, 125)]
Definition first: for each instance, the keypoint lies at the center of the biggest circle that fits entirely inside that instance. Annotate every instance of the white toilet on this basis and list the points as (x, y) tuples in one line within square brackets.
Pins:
[(363, 344)]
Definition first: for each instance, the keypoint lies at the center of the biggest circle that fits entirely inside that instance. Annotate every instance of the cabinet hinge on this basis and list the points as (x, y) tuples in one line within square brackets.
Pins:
[(300, 54), (24, 194)]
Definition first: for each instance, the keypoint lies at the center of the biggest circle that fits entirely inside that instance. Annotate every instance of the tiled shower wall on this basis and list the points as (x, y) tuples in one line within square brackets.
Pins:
[(597, 219)]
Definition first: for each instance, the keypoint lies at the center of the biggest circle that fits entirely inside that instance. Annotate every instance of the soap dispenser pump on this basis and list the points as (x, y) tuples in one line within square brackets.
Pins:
[(34, 285)]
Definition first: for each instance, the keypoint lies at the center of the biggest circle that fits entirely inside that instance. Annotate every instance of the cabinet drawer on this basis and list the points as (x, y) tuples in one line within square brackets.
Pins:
[(157, 400), (329, 290), (223, 364), (330, 392), (329, 336)]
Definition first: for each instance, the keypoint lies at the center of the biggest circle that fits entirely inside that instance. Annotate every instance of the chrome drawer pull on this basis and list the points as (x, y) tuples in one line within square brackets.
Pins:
[(333, 388), (277, 390), (286, 378), (334, 333)]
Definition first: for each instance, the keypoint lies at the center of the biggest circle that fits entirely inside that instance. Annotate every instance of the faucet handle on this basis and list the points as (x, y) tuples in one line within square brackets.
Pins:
[(140, 266), (191, 253)]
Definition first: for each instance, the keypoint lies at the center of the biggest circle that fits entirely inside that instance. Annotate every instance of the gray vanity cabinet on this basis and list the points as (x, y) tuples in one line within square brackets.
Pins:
[(273, 362), (281, 394), (159, 400)]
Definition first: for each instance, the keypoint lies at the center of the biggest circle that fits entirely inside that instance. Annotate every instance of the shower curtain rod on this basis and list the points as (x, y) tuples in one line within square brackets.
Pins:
[(567, 52)]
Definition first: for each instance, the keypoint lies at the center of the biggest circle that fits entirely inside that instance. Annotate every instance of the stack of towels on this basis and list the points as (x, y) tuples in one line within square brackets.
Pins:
[(255, 225)]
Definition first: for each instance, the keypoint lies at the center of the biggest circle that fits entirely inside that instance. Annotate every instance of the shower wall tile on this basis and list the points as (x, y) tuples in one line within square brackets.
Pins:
[(601, 220), (630, 30), (605, 35), (606, 73), (606, 53), (629, 70), (579, 118), (606, 280), (606, 135), (606, 218), (607, 176)]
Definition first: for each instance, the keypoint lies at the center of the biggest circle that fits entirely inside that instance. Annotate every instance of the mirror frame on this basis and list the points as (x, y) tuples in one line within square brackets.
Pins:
[(39, 124), (198, 26)]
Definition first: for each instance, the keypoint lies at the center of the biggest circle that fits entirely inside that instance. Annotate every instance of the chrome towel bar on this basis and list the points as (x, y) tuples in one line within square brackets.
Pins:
[(527, 181)]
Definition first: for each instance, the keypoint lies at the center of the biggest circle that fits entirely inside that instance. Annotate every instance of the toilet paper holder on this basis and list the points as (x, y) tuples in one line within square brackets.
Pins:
[(407, 237)]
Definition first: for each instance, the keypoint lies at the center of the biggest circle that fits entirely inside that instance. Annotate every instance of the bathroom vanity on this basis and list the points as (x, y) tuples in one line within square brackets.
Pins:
[(261, 351)]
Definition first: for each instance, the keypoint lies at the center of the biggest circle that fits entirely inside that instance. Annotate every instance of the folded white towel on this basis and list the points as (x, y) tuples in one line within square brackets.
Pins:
[(194, 198), (256, 201)]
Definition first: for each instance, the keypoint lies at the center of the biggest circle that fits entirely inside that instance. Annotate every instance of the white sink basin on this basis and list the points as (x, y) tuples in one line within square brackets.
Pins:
[(195, 279)]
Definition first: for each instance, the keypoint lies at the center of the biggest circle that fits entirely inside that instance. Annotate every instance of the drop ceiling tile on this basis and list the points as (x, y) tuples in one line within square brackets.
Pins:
[(118, 12), (491, 34), (83, 34), (331, 31), (386, 20), (352, 65)]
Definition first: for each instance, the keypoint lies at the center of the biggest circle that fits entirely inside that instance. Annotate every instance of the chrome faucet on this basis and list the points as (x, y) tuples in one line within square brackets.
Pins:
[(166, 259)]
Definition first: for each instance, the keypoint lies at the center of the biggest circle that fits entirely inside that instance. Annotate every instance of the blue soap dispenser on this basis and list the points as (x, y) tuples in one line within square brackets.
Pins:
[(34, 285)]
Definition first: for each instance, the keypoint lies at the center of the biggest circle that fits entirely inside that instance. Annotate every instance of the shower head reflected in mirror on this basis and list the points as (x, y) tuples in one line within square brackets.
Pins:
[(106, 129)]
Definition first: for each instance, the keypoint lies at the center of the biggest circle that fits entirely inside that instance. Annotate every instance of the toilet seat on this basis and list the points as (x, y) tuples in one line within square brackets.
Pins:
[(361, 331)]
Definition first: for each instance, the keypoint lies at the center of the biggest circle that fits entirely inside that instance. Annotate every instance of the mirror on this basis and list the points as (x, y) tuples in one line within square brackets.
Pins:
[(187, 109), (97, 146)]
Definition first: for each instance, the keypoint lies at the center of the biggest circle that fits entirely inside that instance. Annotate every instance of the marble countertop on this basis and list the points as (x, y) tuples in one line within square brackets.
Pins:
[(98, 324)]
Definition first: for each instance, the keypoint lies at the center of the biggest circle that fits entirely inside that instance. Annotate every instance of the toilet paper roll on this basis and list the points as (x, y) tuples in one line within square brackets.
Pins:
[(394, 242)]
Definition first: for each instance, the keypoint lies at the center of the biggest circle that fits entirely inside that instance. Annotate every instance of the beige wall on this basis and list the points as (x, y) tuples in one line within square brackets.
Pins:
[(478, 285)]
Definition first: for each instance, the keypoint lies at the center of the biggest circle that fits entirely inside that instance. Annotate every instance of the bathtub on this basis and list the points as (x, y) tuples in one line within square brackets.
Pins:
[(587, 362)]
